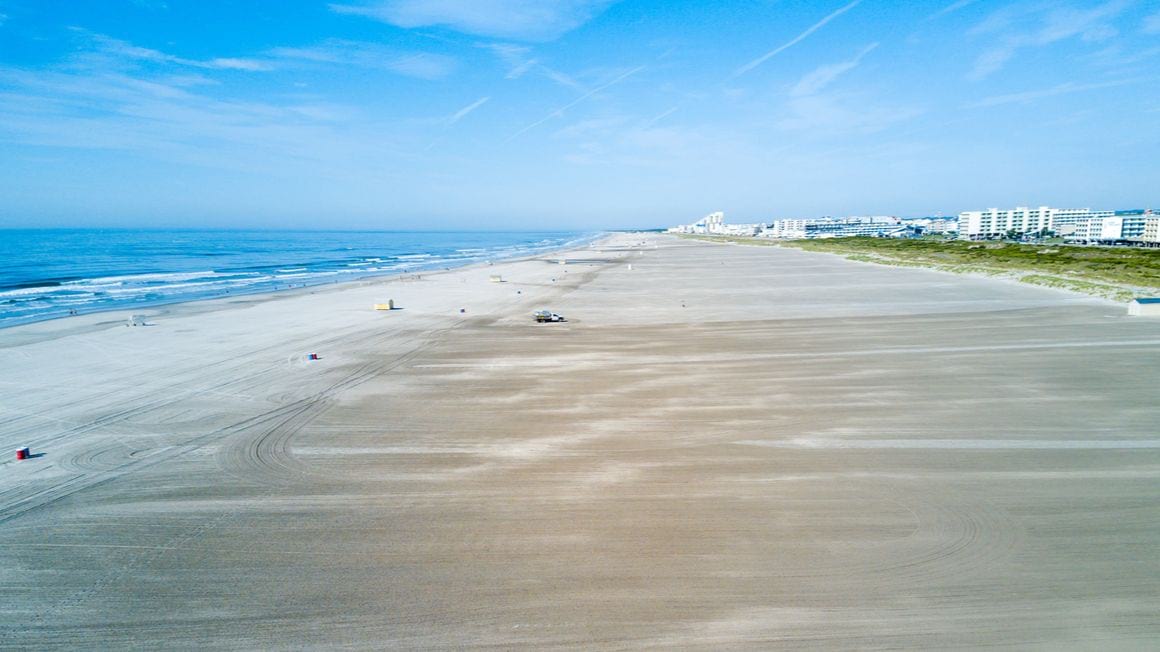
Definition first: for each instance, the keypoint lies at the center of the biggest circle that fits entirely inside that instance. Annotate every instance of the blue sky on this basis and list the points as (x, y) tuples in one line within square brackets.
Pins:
[(573, 114)]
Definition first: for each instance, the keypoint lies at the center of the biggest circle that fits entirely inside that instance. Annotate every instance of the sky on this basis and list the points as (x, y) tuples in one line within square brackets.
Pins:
[(569, 114)]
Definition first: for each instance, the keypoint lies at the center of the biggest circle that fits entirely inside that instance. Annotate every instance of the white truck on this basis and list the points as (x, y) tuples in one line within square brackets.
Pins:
[(545, 316)]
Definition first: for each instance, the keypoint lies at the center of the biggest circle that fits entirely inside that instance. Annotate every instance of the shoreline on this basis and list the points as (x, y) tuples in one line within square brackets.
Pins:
[(148, 308)]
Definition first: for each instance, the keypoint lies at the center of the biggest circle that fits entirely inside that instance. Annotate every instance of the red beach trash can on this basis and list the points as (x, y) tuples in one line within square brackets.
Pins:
[(22, 453)]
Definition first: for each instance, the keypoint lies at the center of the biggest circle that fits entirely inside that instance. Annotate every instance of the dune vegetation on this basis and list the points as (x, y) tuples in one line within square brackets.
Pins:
[(1118, 273)]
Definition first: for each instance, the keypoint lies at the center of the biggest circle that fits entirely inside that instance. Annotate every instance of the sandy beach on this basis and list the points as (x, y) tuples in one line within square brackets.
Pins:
[(723, 448)]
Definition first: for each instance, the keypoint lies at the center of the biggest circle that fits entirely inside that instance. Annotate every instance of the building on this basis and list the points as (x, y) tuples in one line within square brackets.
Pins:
[(993, 224), (934, 224), (1151, 232), (1079, 225), (830, 227), (1068, 222), (708, 224), (1074, 225), (1111, 227), (784, 229), (855, 226), (714, 224)]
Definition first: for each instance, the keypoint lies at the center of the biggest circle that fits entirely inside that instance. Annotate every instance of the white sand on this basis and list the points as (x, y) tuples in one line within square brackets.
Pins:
[(723, 447)]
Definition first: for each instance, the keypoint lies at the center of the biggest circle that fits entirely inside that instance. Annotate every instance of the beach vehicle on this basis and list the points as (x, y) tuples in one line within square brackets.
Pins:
[(543, 316)]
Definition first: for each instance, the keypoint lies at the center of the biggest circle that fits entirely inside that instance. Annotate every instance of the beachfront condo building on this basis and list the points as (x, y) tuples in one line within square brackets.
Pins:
[(834, 227), (1082, 225), (714, 224), (825, 227), (1151, 232), (994, 223)]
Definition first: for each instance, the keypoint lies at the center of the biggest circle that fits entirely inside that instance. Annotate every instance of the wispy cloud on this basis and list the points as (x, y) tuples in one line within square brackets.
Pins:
[(1061, 89), (660, 116), (827, 115), (560, 111), (1122, 57), (519, 70), (529, 20), (520, 61), (515, 56), (422, 65), (462, 113), (126, 50), (951, 8), (562, 79), (593, 128), (794, 41), (168, 119), (823, 76), (1152, 24), (1016, 28)]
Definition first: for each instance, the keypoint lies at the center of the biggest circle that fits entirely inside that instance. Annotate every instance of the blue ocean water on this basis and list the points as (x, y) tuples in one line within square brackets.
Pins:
[(51, 272)]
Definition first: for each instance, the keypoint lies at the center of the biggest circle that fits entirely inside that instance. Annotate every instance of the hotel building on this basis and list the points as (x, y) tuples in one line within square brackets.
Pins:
[(1081, 225)]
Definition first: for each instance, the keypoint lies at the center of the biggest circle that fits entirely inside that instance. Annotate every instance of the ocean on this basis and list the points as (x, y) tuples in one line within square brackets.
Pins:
[(53, 272)]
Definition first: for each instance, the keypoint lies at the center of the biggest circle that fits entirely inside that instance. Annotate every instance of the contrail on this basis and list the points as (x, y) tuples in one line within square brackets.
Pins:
[(813, 28), (575, 102), (461, 113), (662, 116)]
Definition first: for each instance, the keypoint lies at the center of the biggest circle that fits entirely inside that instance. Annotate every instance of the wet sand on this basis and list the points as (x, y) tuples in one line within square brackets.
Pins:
[(724, 448)]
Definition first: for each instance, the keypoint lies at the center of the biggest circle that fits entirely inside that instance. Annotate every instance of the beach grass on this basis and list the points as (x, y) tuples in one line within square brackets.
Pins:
[(1116, 273)]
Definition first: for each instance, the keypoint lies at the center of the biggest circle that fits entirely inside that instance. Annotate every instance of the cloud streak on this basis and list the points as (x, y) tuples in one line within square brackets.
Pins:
[(825, 75), (661, 116), (462, 113), (517, 57), (126, 50), (794, 41), (951, 8), (528, 20), (1061, 89), (421, 65), (1054, 25), (75, 109), (561, 110)]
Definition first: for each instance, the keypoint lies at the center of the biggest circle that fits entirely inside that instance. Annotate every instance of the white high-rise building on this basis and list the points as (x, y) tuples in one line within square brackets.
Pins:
[(1072, 223), (831, 227), (785, 229), (1151, 231), (714, 224), (711, 223), (994, 223)]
